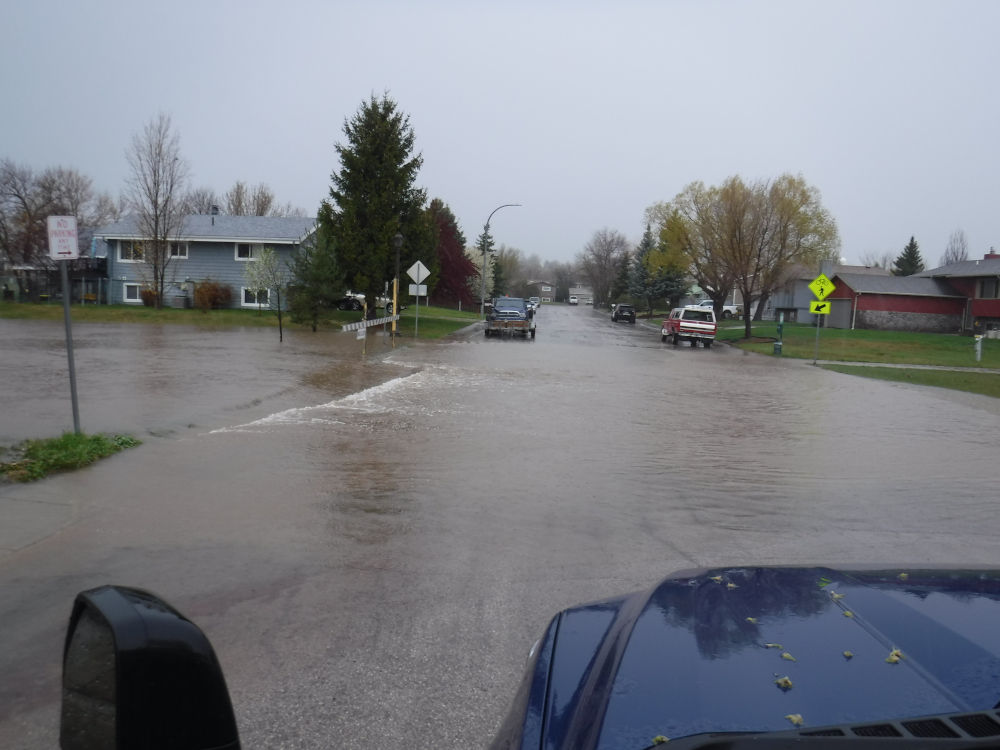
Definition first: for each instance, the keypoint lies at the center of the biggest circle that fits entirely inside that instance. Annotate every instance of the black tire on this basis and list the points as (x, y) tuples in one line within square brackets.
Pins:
[(677, 339), (726, 315), (707, 344), (532, 334), (388, 308)]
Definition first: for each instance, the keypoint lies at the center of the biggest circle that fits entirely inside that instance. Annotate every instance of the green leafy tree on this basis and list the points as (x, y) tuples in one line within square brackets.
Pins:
[(373, 196), (656, 274), (748, 235), (316, 281), (909, 261), (267, 278)]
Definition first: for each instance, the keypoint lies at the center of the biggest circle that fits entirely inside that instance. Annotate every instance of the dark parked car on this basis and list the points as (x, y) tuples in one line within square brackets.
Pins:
[(623, 312), (755, 658)]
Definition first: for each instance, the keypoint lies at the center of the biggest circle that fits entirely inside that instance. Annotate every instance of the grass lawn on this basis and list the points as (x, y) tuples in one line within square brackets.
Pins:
[(35, 459), (435, 322), (889, 347)]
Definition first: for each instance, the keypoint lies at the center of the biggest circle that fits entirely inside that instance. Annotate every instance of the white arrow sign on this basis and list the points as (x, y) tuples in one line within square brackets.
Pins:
[(418, 272)]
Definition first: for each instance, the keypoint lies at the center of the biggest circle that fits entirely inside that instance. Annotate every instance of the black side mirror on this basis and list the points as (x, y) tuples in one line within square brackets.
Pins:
[(138, 674)]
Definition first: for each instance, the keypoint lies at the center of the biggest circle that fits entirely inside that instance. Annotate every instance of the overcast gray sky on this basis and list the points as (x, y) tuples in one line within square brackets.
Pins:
[(584, 112)]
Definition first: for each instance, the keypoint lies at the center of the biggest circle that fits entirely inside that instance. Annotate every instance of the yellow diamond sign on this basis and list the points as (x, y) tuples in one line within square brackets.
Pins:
[(819, 307), (821, 286)]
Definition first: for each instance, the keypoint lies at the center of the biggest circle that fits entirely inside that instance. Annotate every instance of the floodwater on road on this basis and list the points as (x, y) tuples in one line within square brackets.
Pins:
[(373, 545)]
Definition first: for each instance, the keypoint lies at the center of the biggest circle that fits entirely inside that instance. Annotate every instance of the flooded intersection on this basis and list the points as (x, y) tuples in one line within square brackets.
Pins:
[(373, 546)]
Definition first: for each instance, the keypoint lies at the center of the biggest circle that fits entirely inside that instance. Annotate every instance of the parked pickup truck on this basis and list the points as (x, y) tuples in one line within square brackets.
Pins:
[(728, 311), (692, 324), (510, 316)]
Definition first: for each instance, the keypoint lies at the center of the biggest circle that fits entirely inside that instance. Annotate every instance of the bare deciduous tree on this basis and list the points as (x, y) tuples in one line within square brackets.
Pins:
[(201, 200), (877, 260), (256, 200), (600, 262), (957, 249), (155, 194), (27, 199)]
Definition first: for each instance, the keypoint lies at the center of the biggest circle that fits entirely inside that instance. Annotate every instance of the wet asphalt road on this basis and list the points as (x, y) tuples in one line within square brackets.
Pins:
[(372, 546)]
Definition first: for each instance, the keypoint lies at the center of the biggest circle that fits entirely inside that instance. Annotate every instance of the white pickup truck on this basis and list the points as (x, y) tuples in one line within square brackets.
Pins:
[(727, 312)]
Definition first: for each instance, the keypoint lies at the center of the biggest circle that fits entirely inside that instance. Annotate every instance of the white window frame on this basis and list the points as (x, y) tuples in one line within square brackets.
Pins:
[(182, 251), (255, 249), (244, 291), (546, 288), (138, 293), (131, 244)]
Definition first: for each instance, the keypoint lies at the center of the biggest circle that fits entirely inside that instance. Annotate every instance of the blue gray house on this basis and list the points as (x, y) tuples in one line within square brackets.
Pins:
[(213, 246)]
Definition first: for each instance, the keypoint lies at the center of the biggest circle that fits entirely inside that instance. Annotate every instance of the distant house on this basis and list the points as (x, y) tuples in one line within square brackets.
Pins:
[(793, 297), (583, 293), (903, 303), (544, 290), (214, 247), (978, 281)]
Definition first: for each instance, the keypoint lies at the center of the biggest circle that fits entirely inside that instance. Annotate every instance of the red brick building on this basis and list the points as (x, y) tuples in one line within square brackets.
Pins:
[(961, 297)]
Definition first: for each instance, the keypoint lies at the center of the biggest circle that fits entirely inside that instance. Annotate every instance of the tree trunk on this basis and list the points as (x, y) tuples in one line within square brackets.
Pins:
[(761, 304)]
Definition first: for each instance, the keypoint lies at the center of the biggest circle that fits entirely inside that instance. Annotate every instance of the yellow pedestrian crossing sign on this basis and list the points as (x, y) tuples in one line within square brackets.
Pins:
[(821, 286), (819, 307)]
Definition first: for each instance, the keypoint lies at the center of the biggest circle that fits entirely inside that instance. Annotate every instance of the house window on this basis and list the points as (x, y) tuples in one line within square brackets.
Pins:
[(130, 294), (546, 288), (129, 251), (179, 250), (252, 299), (246, 251), (989, 288)]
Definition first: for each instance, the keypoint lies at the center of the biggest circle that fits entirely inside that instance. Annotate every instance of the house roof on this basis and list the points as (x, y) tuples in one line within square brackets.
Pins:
[(965, 269), (915, 286), (220, 228)]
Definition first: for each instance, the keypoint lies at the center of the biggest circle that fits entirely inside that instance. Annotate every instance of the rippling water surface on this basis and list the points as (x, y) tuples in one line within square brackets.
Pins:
[(374, 543)]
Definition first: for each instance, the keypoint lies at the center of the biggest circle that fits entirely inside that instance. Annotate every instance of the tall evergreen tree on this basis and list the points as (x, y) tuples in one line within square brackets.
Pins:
[(620, 286), (909, 261), (373, 196), (455, 268), (499, 280), (316, 282)]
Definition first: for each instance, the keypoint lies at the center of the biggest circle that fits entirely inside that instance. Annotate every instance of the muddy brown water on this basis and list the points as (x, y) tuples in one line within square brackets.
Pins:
[(373, 544)]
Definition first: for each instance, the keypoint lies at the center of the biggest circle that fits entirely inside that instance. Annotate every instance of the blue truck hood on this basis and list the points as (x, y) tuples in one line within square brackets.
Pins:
[(761, 650)]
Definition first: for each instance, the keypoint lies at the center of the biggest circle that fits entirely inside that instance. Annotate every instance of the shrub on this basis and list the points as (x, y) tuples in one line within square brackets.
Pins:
[(148, 297), (212, 295)]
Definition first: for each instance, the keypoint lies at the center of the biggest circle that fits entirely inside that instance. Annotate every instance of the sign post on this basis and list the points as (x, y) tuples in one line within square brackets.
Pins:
[(822, 287), (418, 272), (63, 247)]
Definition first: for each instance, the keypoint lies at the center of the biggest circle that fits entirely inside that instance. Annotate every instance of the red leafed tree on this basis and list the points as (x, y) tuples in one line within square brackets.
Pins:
[(456, 270)]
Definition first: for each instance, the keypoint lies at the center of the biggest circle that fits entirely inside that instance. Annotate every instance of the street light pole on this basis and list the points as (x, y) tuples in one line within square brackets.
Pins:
[(486, 236), (397, 242)]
